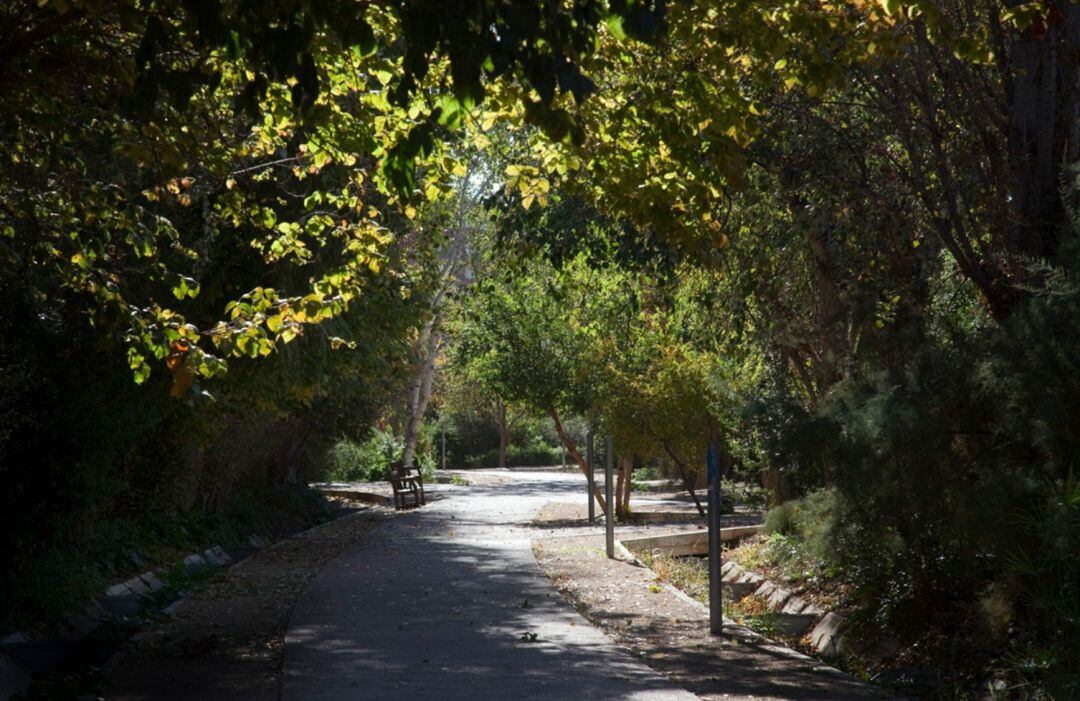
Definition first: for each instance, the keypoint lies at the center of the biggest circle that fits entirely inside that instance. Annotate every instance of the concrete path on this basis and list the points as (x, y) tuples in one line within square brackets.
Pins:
[(449, 603)]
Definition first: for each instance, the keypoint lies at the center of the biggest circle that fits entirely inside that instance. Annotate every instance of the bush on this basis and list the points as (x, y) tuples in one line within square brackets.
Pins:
[(1046, 567), (810, 522), (425, 463), (347, 461), (517, 456), (750, 495), (932, 457), (533, 456)]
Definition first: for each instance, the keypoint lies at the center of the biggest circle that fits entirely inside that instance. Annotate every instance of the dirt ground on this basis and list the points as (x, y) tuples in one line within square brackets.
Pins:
[(225, 642), (670, 632)]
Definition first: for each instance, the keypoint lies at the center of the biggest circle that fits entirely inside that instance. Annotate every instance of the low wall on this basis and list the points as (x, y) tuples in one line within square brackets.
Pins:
[(690, 543)]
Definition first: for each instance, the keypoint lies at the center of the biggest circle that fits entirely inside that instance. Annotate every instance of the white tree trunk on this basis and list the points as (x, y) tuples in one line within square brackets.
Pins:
[(420, 390), (453, 259)]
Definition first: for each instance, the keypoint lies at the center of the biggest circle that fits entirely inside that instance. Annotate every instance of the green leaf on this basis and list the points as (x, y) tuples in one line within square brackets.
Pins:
[(614, 24)]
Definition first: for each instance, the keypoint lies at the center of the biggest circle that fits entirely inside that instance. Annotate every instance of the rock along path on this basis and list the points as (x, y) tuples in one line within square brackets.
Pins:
[(449, 603)]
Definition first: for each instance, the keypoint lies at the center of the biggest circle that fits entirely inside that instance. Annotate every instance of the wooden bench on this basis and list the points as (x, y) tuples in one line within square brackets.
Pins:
[(408, 487)]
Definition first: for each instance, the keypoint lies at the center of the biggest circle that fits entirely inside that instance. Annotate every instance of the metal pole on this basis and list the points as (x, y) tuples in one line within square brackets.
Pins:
[(716, 596), (590, 478), (442, 435), (609, 512)]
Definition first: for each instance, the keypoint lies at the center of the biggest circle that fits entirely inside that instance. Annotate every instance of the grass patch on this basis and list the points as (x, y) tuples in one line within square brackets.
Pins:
[(753, 612), (785, 558), (690, 574)]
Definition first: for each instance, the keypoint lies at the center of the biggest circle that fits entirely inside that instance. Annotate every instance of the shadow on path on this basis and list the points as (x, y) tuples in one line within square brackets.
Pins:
[(449, 603)]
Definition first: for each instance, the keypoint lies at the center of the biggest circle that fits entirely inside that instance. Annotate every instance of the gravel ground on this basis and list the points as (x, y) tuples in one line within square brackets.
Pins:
[(671, 634), (226, 641)]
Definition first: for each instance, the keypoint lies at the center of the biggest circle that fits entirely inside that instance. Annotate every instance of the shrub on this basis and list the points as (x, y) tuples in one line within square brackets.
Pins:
[(533, 456), (426, 464), (347, 461), (802, 533), (1046, 565), (750, 495), (517, 456), (811, 519), (779, 519)]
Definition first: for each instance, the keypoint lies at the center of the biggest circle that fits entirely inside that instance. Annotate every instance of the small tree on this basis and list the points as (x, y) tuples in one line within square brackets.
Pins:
[(535, 339)]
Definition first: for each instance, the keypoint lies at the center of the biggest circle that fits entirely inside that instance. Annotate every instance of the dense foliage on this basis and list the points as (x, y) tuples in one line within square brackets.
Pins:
[(837, 237)]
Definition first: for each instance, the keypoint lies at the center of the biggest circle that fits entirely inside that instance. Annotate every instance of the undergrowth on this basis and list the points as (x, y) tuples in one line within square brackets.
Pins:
[(691, 575), (68, 573)]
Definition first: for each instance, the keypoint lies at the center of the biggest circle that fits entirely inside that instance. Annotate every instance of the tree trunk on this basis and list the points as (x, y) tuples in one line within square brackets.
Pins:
[(420, 390), (628, 485), (688, 483), (774, 483), (504, 431), (577, 457), (1044, 87), (296, 450), (620, 512), (831, 310)]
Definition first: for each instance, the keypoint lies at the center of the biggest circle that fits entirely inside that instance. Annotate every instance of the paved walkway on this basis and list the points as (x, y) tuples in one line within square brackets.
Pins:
[(450, 604)]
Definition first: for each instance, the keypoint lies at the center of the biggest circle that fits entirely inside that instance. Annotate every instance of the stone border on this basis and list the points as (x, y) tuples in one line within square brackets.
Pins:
[(795, 615), (826, 627), (829, 633)]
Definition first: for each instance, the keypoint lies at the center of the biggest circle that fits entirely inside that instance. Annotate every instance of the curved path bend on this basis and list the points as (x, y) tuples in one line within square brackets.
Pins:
[(449, 603)]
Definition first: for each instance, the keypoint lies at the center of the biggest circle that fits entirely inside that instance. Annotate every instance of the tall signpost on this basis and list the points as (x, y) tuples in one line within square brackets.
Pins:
[(609, 512), (590, 477), (716, 598)]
